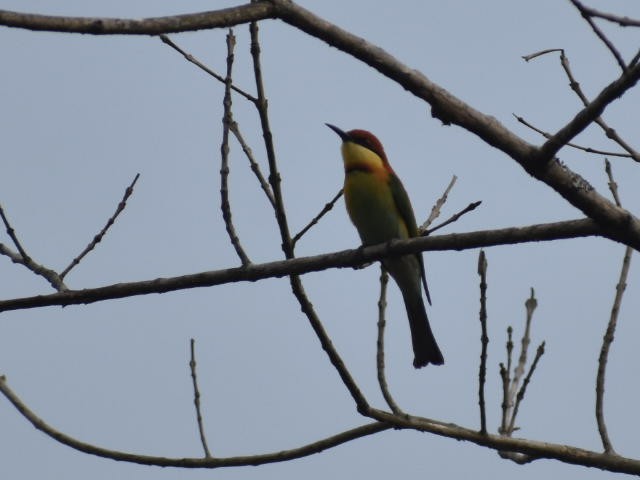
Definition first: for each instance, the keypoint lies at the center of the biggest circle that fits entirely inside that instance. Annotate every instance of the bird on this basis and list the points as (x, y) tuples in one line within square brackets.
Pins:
[(380, 209)]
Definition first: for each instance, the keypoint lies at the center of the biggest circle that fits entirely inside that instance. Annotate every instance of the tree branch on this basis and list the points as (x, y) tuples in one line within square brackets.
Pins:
[(301, 265), (227, 17), (260, 459)]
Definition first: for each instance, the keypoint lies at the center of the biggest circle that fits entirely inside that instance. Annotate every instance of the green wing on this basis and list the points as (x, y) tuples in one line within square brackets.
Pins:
[(403, 204)]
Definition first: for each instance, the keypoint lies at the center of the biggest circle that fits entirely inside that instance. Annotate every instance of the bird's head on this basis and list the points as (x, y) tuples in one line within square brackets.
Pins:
[(361, 149)]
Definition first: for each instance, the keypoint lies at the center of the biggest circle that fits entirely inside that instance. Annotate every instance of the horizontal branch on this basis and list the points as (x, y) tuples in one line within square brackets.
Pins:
[(564, 453), (227, 17), (207, 462), (301, 265)]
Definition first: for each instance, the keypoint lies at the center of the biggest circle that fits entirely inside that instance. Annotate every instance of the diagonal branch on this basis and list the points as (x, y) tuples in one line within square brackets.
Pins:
[(98, 238), (600, 34), (326, 209)]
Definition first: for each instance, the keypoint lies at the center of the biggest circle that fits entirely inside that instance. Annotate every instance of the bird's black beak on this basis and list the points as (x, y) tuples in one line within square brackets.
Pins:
[(343, 135)]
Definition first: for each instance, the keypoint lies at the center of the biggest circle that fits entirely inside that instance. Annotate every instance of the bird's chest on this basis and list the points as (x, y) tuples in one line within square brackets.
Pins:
[(372, 208)]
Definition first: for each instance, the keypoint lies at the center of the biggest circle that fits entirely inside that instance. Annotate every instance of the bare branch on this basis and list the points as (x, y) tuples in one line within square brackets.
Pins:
[(525, 383), (98, 238), (326, 209), (21, 257), (531, 56), (202, 66), (611, 328), (587, 16), (260, 459), (573, 145), (531, 448), (382, 305), (227, 119), (255, 168), (530, 304), (435, 210), (622, 21), (227, 17), (301, 265), (453, 218), (196, 399), (484, 340)]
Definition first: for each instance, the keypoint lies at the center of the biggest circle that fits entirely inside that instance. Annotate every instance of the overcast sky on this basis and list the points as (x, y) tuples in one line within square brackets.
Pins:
[(81, 115)]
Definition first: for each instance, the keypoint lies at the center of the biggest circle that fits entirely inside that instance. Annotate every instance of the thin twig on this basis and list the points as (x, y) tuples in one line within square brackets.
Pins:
[(484, 339), (573, 145), (98, 238), (227, 119), (575, 86), (435, 210), (530, 304), (203, 67), (523, 389), (512, 394), (12, 234), (453, 218), (21, 257), (622, 21), (531, 56), (196, 399), (255, 168), (326, 209), (382, 381), (274, 174), (588, 17), (611, 328), (608, 131), (504, 376)]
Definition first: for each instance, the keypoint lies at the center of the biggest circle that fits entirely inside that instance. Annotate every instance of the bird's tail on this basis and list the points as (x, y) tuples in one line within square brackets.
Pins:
[(425, 348)]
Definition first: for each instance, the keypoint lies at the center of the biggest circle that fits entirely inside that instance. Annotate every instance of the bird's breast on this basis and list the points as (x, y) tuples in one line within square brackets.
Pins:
[(371, 206)]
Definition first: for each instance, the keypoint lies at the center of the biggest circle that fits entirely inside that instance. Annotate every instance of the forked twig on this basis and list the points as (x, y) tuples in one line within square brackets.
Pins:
[(435, 210), (575, 86), (21, 257), (255, 168), (512, 393), (572, 145), (600, 34), (472, 206)]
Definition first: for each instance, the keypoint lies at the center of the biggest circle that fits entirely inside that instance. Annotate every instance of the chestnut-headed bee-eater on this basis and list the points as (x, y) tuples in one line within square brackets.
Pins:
[(379, 207)]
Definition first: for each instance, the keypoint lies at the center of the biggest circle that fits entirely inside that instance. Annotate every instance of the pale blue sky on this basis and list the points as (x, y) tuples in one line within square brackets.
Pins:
[(81, 115)]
